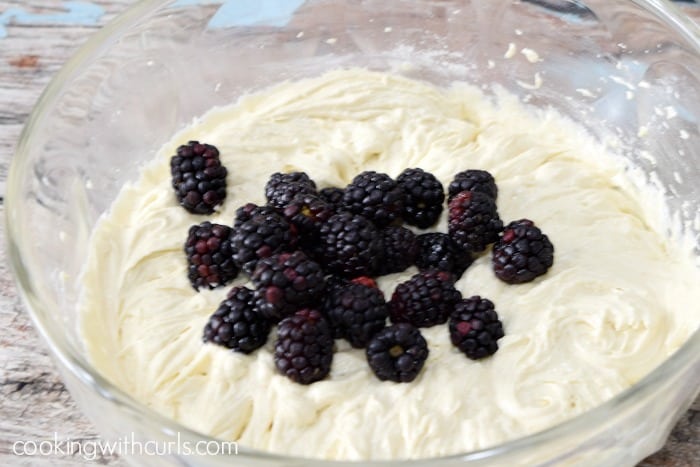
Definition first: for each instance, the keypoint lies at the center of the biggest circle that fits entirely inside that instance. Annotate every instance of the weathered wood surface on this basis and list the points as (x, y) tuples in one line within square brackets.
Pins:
[(36, 37)]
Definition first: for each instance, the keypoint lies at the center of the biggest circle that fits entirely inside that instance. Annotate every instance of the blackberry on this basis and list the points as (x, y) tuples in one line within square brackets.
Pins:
[(249, 210), (285, 283), (397, 353), (374, 196), (281, 188), (473, 221), (426, 299), (424, 197), (355, 312), (261, 236), (400, 250), (522, 253), (365, 280), (332, 196), (475, 327), (304, 347), (350, 245), (438, 251), (473, 180), (198, 177), (209, 255), (307, 212), (236, 324)]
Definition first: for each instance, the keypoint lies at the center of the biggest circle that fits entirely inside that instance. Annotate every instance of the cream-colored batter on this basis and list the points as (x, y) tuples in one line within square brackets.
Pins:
[(618, 301)]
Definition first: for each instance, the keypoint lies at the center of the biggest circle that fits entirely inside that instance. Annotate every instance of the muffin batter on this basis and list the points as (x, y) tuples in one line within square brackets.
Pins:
[(620, 298)]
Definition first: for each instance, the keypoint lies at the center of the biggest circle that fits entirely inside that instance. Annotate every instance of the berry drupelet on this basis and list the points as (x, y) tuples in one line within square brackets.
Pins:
[(248, 211), (473, 180), (397, 353), (438, 251), (282, 187), (209, 255), (523, 253), (475, 327), (333, 196), (260, 236), (236, 324), (426, 299), (375, 196), (473, 221), (285, 283), (304, 347), (350, 245), (424, 197), (198, 177), (399, 250), (355, 312)]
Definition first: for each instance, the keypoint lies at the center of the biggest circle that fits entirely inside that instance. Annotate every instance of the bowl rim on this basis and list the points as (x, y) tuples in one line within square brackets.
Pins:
[(79, 367)]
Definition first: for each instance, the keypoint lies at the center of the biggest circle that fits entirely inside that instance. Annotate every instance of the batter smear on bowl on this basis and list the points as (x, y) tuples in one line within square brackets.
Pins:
[(611, 307)]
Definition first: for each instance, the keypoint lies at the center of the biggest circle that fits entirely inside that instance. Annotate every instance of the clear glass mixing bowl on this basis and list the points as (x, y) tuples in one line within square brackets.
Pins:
[(616, 67)]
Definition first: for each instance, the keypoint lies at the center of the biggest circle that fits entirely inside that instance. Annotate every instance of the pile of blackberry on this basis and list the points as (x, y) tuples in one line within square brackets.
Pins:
[(313, 256)]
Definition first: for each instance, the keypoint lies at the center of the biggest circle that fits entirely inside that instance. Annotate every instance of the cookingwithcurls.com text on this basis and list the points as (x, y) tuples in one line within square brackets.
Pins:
[(95, 448)]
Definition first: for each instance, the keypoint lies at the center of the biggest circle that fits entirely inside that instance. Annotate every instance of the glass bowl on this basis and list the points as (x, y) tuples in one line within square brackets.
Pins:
[(608, 65)]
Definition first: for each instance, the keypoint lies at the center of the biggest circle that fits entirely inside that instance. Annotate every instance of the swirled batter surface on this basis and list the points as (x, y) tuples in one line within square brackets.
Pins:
[(620, 298)]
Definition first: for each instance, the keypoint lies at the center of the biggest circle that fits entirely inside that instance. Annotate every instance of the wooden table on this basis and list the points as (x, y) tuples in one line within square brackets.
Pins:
[(34, 42)]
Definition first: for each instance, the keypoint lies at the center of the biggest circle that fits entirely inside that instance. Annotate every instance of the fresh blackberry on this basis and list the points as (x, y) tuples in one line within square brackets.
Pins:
[(355, 312), (333, 196), (236, 324), (473, 180), (261, 236), (285, 283), (424, 197), (475, 327), (473, 221), (249, 210), (522, 253), (209, 255), (365, 280), (198, 177), (400, 249), (438, 251), (426, 299), (307, 212), (350, 245), (304, 347), (374, 196), (397, 353), (281, 188)]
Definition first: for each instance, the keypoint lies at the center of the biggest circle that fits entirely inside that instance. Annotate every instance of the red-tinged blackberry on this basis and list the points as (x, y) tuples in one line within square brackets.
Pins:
[(281, 188), (261, 236), (209, 255), (438, 251), (473, 221), (236, 324), (425, 300), (424, 197), (522, 253), (355, 312), (350, 245), (397, 353), (304, 347), (475, 327), (333, 196), (307, 212), (285, 283), (375, 196), (198, 177), (249, 210), (473, 180), (399, 250)]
